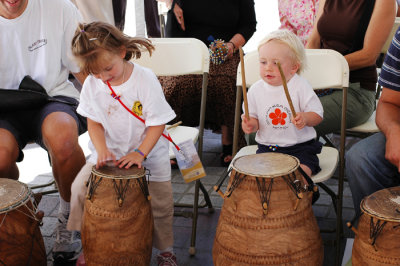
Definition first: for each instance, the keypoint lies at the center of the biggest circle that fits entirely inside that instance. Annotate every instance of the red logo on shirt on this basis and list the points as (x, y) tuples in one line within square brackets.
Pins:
[(278, 117)]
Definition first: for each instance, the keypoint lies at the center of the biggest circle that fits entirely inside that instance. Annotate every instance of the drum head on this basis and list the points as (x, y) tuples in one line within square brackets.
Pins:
[(383, 204), (271, 164), (114, 172), (12, 194)]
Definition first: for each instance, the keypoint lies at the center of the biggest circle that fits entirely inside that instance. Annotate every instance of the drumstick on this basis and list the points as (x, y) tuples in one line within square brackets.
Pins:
[(286, 89), (174, 125), (244, 88)]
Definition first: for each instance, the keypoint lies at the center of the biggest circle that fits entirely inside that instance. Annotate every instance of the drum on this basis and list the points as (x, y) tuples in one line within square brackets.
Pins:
[(267, 217), (117, 226), (21, 242), (377, 240)]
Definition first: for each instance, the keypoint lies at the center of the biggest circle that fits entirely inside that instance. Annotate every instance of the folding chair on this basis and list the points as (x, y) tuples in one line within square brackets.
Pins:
[(325, 69), (183, 56), (369, 127)]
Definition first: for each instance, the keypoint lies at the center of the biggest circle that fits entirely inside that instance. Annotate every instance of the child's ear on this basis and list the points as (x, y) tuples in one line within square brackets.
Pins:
[(122, 52), (295, 67)]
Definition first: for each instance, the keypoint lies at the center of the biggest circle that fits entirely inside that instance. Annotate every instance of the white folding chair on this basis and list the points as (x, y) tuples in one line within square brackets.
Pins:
[(325, 69), (369, 127), (183, 56)]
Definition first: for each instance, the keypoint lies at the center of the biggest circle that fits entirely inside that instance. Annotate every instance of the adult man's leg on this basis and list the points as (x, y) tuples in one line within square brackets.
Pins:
[(367, 169), (8, 155)]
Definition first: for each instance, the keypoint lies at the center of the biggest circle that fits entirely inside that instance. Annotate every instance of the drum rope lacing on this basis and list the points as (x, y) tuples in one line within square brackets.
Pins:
[(375, 230), (121, 189), (264, 193), (92, 185)]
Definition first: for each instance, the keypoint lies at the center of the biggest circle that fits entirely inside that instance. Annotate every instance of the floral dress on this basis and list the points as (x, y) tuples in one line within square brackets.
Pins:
[(298, 16)]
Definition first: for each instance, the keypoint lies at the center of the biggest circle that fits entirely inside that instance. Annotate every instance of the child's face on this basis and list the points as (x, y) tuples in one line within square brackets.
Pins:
[(111, 68), (272, 52)]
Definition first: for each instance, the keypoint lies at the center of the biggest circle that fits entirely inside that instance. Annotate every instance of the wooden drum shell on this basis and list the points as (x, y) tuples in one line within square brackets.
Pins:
[(386, 249), (21, 242), (283, 236), (114, 235)]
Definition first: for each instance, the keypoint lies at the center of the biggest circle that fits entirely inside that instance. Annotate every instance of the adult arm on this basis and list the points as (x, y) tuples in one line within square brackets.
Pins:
[(388, 121), (378, 31), (314, 41)]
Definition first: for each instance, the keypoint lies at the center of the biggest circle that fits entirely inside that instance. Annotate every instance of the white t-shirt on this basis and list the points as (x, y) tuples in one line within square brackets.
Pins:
[(269, 105), (141, 93), (38, 43)]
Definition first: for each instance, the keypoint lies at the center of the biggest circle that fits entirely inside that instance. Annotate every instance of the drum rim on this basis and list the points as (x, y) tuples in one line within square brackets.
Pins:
[(368, 212), (20, 203), (97, 173), (267, 176)]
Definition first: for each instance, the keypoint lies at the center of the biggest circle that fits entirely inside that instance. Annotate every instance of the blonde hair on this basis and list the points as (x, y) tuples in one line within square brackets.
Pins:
[(93, 39), (292, 41)]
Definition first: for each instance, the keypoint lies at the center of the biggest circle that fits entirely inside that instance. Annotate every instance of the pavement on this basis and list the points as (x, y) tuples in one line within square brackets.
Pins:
[(38, 171)]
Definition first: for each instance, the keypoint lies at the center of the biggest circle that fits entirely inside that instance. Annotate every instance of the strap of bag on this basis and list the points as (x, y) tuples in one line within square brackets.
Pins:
[(116, 97)]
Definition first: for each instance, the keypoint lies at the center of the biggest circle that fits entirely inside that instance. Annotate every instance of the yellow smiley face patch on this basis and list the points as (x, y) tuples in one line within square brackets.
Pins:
[(137, 108)]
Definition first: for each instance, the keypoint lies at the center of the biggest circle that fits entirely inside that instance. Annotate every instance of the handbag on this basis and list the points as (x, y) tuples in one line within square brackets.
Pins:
[(30, 95)]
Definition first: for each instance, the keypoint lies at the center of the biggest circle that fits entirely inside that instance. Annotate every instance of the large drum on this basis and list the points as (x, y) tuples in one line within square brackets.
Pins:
[(267, 217), (377, 240), (117, 224), (21, 242)]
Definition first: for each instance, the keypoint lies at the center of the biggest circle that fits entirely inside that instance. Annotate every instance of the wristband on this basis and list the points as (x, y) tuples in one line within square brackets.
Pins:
[(141, 153), (234, 46)]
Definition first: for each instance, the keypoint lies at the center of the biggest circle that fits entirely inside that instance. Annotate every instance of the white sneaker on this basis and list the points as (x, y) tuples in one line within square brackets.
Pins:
[(67, 245)]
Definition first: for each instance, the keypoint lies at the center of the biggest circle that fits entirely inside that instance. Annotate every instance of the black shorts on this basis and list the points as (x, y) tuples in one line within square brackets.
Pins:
[(25, 125), (306, 152)]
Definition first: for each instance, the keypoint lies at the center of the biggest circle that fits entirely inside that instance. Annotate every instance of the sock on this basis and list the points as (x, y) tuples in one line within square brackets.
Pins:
[(64, 207), (168, 249)]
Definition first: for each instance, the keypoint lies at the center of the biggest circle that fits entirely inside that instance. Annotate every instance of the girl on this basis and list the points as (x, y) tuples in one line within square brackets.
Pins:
[(104, 52), (270, 115)]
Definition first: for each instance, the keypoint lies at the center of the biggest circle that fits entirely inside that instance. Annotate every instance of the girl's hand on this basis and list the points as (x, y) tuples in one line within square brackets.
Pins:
[(299, 121), (249, 125), (130, 159), (103, 157), (179, 16)]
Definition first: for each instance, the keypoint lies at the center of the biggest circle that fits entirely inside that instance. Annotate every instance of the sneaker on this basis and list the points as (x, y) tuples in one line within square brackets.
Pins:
[(67, 245), (166, 259)]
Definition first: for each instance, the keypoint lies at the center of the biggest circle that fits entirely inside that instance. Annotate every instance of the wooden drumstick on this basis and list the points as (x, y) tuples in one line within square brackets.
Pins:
[(174, 125), (285, 87), (244, 88), (219, 192)]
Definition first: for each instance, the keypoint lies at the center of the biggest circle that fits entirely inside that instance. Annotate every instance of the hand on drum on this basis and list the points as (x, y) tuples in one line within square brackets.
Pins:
[(130, 159), (249, 125), (104, 157)]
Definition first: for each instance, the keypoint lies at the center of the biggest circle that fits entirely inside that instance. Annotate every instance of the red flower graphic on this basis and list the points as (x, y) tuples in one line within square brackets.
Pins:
[(278, 117)]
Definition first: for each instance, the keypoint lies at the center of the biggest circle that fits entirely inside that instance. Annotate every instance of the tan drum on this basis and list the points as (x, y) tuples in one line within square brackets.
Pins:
[(377, 240), (21, 242), (267, 217), (117, 225)]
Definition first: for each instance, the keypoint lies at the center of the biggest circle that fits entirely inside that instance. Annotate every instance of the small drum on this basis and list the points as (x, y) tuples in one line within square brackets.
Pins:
[(21, 242), (377, 240), (117, 226), (267, 217)]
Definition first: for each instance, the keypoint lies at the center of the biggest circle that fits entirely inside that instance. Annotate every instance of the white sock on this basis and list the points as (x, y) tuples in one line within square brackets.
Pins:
[(169, 249), (64, 207)]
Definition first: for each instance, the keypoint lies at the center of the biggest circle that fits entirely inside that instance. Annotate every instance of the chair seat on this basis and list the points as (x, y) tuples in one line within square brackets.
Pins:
[(368, 127), (180, 134), (328, 161)]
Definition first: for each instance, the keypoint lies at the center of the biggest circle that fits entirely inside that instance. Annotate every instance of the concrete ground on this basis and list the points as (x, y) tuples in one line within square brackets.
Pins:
[(184, 193)]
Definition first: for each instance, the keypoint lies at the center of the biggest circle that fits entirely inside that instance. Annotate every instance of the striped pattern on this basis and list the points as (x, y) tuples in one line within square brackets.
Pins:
[(390, 74)]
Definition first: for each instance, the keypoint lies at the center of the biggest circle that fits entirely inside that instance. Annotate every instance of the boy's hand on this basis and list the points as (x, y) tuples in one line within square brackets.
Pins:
[(299, 121), (103, 157), (130, 159), (249, 125)]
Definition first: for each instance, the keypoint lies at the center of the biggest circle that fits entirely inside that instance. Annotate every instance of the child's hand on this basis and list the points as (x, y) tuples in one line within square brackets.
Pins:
[(130, 159), (103, 157), (299, 121), (249, 125)]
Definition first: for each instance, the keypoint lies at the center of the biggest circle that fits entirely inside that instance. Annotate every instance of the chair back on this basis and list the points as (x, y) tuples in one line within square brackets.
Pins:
[(396, 25), (180, 56)]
